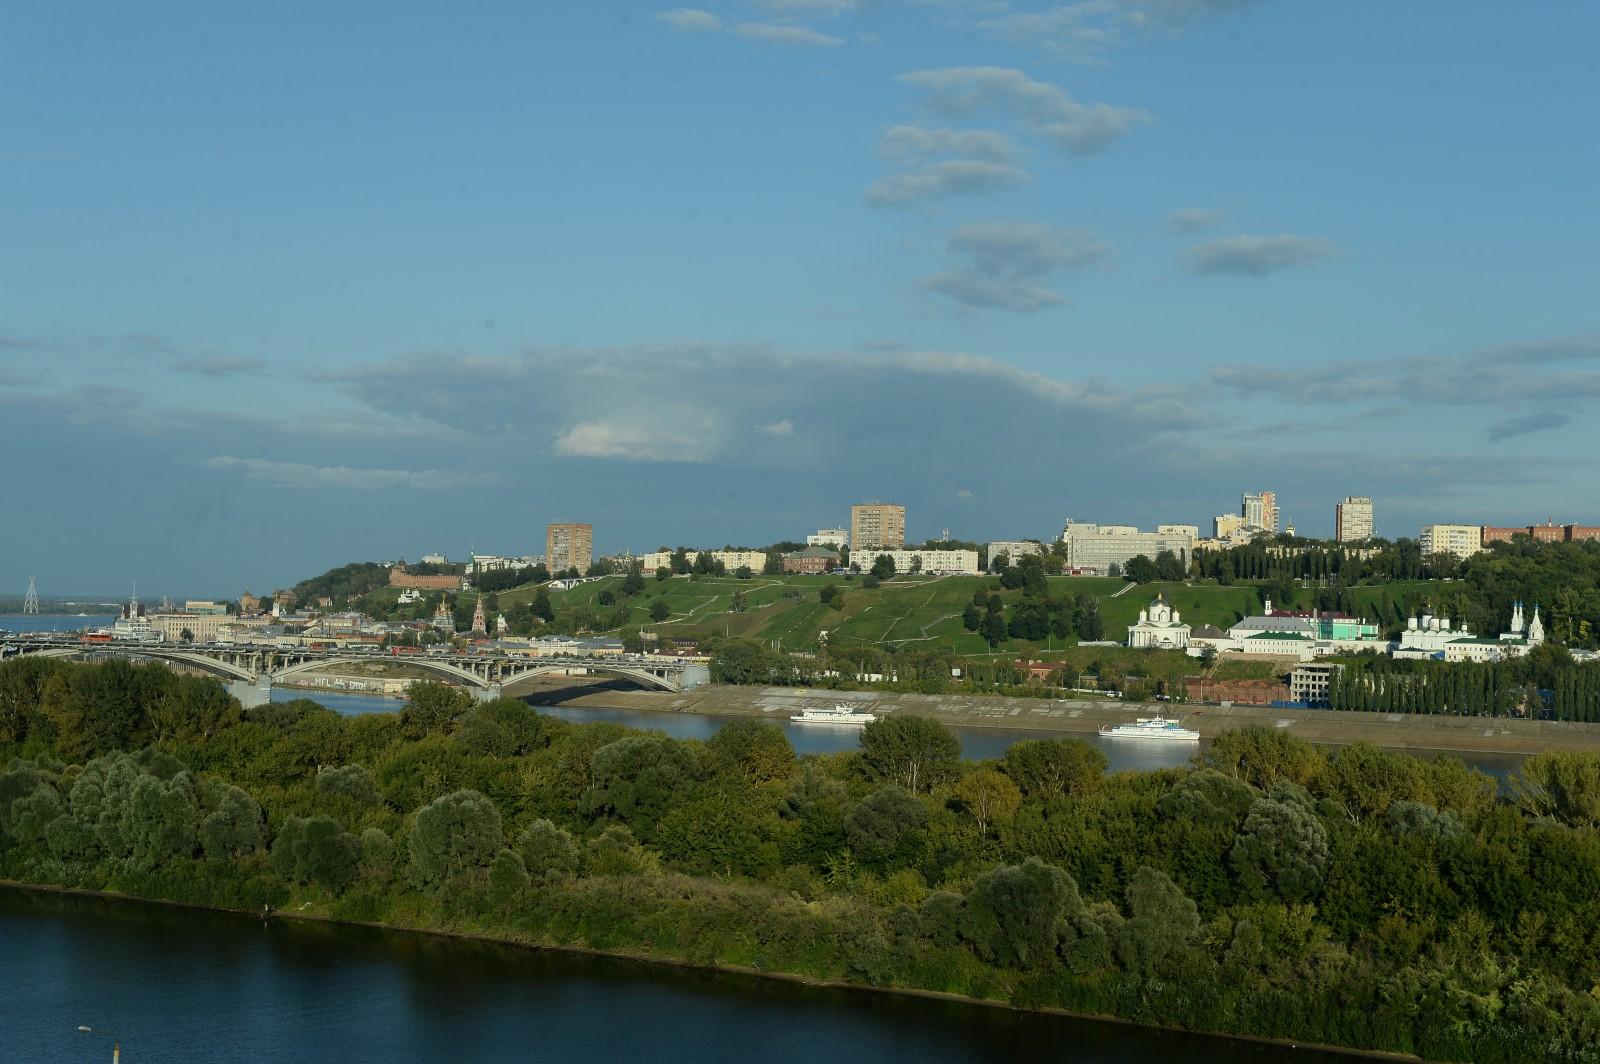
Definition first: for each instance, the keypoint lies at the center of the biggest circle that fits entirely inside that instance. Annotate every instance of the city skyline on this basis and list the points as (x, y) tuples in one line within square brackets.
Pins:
[(457, 279)]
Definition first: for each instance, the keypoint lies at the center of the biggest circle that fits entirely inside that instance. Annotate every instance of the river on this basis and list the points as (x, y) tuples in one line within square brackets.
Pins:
[(976, 743), (192, 986), (53, 622)]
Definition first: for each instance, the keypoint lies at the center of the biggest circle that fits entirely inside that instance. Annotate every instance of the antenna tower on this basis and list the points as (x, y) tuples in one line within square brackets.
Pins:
[(31, 603)]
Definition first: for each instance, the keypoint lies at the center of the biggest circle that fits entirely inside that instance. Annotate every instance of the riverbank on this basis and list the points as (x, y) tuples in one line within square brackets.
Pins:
[(1396, 731), (680, 964)]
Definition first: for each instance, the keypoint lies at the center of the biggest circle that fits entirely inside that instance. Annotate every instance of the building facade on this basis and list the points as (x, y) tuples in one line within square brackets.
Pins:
[(1352, 519), (1463, 541), (877, 524), (837, 538), (1159, 627), (754, 560), (930, 561), (1259, 509), (1014, 550), (568, 546), (812, 560), (1098, 547), (1545, 533)]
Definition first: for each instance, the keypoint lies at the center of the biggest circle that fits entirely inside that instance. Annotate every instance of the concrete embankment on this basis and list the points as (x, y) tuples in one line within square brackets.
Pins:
[(1081, 716)]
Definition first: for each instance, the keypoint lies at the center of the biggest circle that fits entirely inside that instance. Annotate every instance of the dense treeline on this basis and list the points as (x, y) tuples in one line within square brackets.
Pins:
[(1544, 683), (344, 583), (1365, 899)]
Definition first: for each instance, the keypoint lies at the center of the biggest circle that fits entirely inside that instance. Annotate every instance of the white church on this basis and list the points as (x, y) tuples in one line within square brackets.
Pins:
[(1160, 627), (1428, 636)]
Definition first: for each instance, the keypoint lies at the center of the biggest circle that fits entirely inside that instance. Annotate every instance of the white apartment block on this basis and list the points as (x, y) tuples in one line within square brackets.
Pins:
[(830, 537), (661, 559), (1098, 547), (932, 561), (755, 560), (1463, 541), (1014, 549), (1352, 519)]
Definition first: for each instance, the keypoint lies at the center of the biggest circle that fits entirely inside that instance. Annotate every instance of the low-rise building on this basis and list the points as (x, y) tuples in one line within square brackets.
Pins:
[(201, 627), (811, 560)]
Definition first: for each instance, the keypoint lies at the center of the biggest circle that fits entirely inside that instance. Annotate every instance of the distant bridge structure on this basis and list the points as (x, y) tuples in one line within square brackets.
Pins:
[(251, 671)]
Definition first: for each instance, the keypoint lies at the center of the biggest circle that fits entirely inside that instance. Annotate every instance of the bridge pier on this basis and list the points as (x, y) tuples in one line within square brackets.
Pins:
[(252, 693), (694, 676), (486, 694)]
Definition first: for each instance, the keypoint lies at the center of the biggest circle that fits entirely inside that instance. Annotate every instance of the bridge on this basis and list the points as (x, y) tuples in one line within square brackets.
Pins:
[(251, 671)]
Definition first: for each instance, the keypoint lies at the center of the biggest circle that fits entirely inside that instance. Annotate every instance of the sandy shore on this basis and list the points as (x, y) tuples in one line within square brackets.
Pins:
[(1085, 716)]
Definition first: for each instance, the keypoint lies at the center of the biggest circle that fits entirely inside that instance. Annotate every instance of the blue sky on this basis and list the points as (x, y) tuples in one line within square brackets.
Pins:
[(287, 286)]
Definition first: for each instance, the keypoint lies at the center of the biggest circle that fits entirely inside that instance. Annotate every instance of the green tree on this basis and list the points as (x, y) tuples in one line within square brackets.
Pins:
[(1162, 921), (876, 825), (1047, 769), (915, 752), (547, 851), (234, 825), (987, 795), (639, 778), (316, 850), (1016, 916), (453, 835), (505, 727), (1282, 850), (740, 661), (660, 611), (508, 877), (883, 567), (756, 750), (1140, 570), (433, 708)]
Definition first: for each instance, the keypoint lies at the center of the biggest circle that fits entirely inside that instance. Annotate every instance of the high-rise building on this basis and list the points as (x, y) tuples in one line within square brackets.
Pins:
[(1225, 525), (877, 524), (1461, 540), (1352, 519), (568, 547), (1260, 510)]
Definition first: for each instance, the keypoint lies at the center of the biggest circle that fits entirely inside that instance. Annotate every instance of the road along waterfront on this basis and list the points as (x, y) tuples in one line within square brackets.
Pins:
[(201, 986)]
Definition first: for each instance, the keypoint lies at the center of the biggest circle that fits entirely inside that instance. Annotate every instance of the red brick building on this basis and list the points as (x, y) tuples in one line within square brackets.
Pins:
[(1545, 533), (1239, 692)]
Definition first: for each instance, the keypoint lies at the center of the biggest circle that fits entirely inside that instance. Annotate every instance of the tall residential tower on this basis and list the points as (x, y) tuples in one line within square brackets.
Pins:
[(568, 547), (1352, 519), (877, 524)]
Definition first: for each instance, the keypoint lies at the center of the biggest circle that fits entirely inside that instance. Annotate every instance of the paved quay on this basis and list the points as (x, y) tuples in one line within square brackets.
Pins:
[(1079, 716)]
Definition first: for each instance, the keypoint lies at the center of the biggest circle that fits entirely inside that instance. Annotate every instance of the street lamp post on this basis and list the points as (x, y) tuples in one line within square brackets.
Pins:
[(116, 1042)]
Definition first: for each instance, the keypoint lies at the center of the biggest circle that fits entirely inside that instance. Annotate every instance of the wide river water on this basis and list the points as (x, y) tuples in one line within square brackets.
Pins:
[(976, 743), (193, 986)]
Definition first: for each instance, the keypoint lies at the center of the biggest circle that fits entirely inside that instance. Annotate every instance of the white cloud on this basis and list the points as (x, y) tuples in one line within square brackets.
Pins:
[(806, 8), (345, 478), (634, 440), (1256, 256), (1082, 31), (915, 144), (947, 178), (784, 427), (1043, 109), (690, 20), (1174, 14), (774, 33), (1193, 220), (1005, 260)]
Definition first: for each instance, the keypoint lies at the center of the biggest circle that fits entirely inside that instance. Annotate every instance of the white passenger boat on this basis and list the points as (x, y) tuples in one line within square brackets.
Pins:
[(837, 715), (1157, 727)]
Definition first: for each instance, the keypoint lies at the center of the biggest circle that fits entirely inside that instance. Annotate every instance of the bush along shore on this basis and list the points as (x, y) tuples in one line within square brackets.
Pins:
[(1364, 899)]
